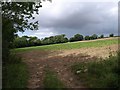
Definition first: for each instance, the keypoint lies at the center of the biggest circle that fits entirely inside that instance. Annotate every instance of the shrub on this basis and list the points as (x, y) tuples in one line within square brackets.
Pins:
[(111, 35)]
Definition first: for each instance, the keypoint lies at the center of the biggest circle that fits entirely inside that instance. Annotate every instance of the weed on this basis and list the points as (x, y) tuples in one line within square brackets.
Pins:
[(102, 74), (51, 80)]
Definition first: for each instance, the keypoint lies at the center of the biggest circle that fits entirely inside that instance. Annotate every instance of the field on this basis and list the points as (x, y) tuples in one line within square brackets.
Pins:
[(73, 45), (63, 60)]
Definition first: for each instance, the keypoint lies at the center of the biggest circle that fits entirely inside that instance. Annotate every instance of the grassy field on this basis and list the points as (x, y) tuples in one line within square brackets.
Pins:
[(70, 45), (15, 73), (103, 74)]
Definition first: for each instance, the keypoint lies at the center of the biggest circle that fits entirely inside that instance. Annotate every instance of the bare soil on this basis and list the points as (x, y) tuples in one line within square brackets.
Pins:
[(60, 62), (100, 52)]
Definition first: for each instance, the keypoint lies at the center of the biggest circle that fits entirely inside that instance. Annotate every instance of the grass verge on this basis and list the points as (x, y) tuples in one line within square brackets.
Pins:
[(15, 74), (51, 81), (99, 74)]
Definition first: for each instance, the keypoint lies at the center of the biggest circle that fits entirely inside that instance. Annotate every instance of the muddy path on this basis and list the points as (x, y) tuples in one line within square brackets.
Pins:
[(60, 62), (62, 66), (38, 60)]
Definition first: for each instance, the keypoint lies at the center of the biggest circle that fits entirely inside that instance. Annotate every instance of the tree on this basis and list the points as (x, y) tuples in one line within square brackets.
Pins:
[(111, 35), (87, 38), (15, 17), (45, 41), (38, 42), (55, 39), (32, 41), (78, 37), (72, 39), (25, 41), (102, 36), (94, 36), (65, 40)]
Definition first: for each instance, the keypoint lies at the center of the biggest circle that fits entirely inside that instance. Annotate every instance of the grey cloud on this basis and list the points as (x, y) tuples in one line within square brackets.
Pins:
[(84, 18), (89, 14)]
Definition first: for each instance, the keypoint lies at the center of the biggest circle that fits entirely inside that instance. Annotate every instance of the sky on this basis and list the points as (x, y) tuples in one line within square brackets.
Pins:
[(70, 17)]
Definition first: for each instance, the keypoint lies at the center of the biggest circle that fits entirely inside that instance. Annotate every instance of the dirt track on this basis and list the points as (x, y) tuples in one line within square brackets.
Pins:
[(61, 65), (60, 62)]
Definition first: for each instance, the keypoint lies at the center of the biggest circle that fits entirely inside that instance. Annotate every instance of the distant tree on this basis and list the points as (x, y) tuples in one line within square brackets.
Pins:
[(32, 41), (72, 39), (25, 41), (65, 39), (87, 38), (51, 40), (20, 42), (38, 42), (111, 35), (90, 37), (78, 37), (55, 39), (102, 36), (45, 41), (94, 36)]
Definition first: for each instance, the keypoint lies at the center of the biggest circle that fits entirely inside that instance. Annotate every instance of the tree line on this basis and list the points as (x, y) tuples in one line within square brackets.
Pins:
[(26, 41)]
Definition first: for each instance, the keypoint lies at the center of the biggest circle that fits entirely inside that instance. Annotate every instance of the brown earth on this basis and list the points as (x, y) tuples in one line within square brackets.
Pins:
[(102, 52), (60, 62), (37, 61)]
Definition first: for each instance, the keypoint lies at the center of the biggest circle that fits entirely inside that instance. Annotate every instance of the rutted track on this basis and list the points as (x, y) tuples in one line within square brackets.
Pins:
[(37, 61), (60, 62)]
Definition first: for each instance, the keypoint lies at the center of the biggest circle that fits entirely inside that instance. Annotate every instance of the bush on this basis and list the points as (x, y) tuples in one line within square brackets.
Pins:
[(111, 35)]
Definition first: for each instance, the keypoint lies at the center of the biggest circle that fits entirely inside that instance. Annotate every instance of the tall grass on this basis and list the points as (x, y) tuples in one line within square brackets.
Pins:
[(15, 74), (99, 74), (51, 80)]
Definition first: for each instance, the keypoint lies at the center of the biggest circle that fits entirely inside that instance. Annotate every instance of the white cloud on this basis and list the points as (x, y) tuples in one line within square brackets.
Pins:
[(114, 10)]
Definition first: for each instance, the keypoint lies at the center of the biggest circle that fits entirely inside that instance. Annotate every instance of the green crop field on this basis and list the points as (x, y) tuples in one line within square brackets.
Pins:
[(70, 45)]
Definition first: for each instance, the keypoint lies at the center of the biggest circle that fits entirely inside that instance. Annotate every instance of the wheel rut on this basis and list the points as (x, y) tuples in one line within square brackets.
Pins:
[(38, 60)]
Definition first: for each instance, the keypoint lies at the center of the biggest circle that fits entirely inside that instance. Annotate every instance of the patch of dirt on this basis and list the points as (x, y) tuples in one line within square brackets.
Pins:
[(60, 62), (62, 66), (102, 52), (37, 61)]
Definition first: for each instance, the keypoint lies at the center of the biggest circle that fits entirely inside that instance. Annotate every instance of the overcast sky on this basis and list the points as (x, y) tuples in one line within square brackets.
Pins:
[(76, 16)]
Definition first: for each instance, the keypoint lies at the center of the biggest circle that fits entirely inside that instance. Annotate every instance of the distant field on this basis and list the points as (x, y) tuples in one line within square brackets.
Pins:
[(71, 45)]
